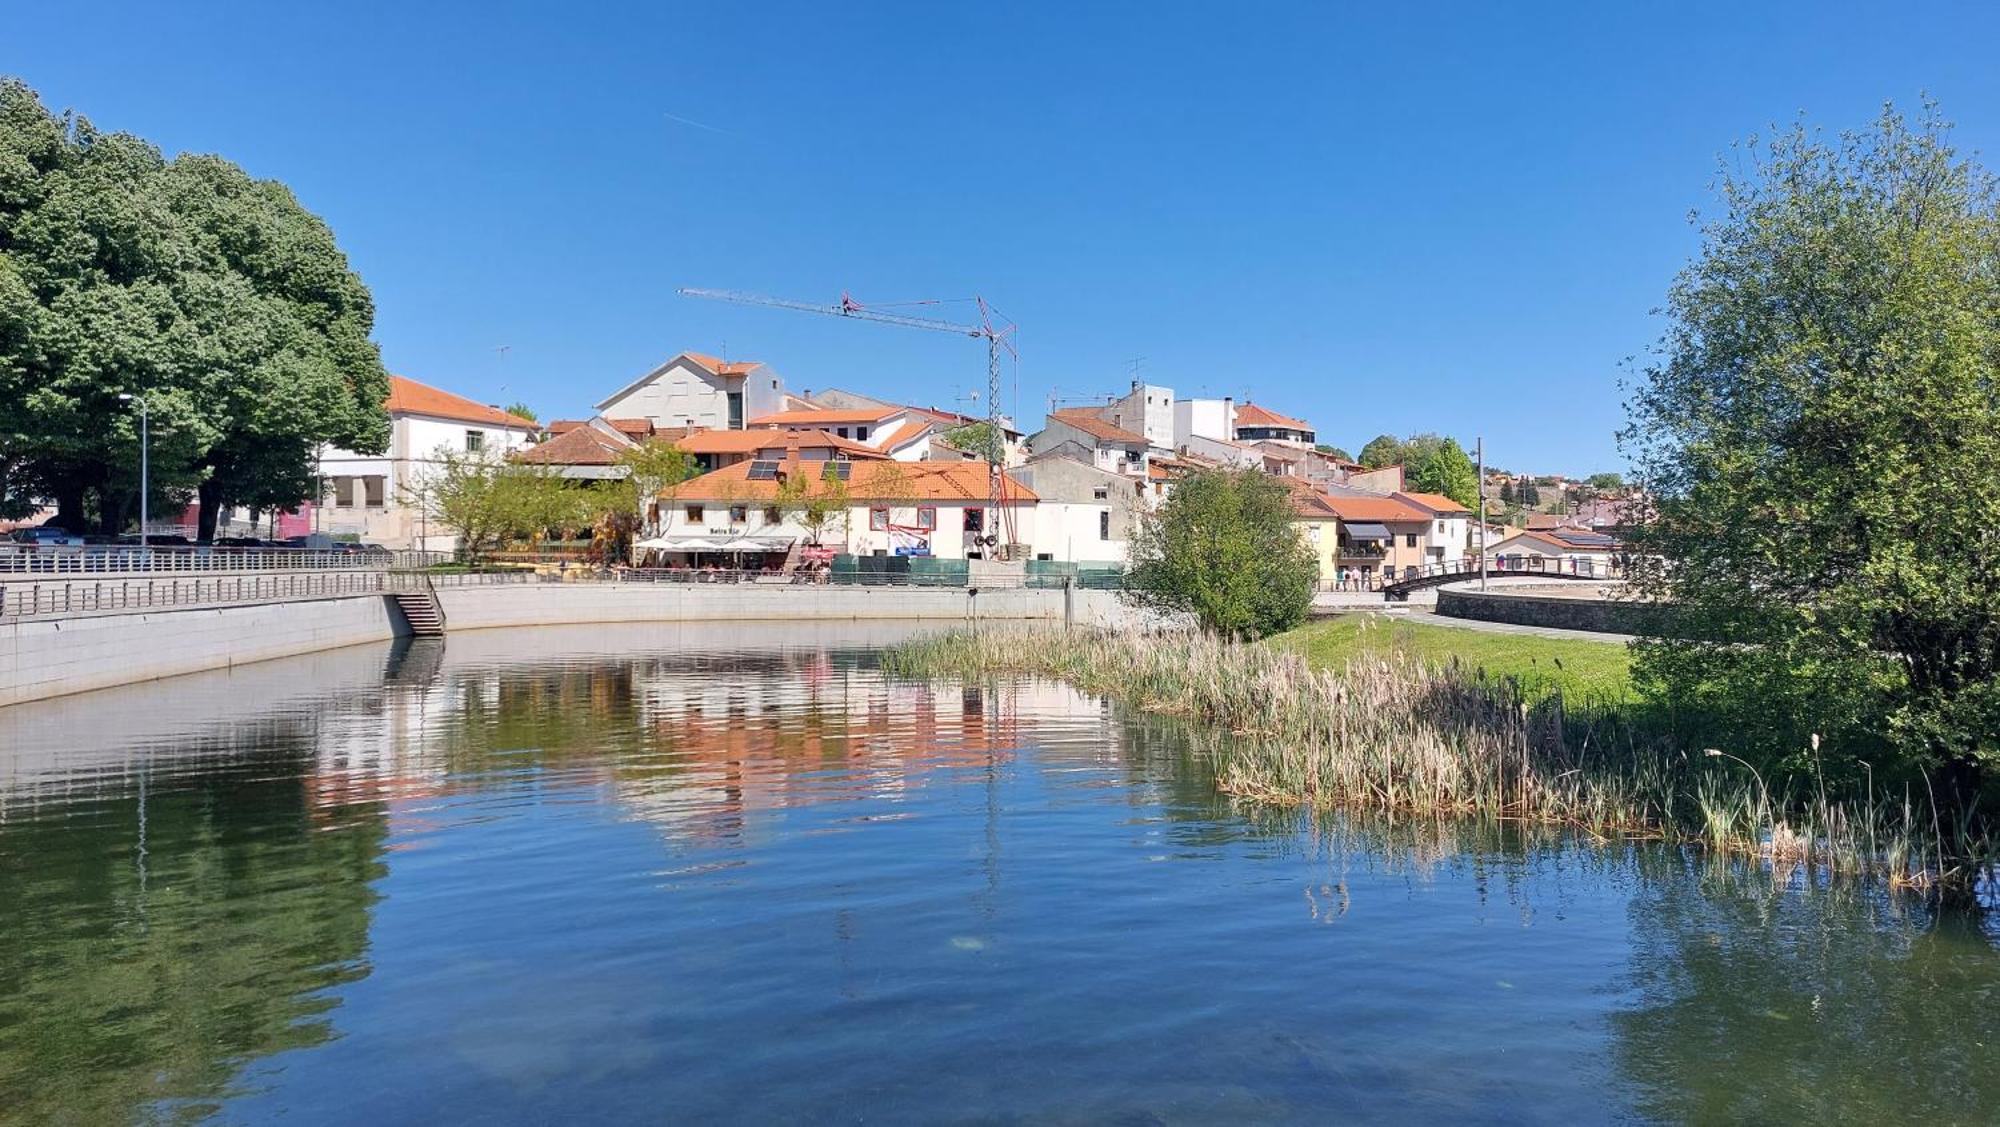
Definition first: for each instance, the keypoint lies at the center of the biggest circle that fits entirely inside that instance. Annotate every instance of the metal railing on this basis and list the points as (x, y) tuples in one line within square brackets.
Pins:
[(57, 598), (93, 560)]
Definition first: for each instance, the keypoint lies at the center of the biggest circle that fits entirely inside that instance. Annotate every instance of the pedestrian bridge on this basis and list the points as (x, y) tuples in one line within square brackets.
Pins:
[(1398, 590)]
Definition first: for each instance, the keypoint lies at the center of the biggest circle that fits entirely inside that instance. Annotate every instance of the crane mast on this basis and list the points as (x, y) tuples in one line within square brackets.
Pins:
[(993, 328)]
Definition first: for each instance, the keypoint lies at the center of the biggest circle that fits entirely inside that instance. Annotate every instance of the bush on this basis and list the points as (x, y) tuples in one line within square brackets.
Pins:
[(1223, 547)]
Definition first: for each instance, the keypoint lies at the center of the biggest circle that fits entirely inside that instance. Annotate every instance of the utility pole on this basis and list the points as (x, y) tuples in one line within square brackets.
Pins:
[(1479, 445), (145, 486)]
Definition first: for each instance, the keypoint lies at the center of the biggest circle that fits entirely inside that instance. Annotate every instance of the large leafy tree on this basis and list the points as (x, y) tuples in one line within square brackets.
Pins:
[(1223, 547), (215, 298), (1820, 436), (1382, 450), (1450, 472)]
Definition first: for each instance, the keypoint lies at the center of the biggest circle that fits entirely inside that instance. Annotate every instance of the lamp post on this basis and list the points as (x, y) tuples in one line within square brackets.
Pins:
[(145, 438)]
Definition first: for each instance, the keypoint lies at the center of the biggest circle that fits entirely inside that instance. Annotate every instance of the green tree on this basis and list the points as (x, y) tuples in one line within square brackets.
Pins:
[(1606, 482), (521, 410), (489, 500), (1223, 547), (656, 468), (1820, 436), (976, 438), (1449, 472), (1382, 450), (819, 500), (1334, 452), (1507, 492), (216, 298)]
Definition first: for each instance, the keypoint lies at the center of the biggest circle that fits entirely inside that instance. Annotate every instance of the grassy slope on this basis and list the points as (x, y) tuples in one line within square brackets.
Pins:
[(1589, 670)]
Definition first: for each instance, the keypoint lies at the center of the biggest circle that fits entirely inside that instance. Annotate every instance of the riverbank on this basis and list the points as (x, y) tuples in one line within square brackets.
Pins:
[(51, 657), (1582, 667), (1395, 732)]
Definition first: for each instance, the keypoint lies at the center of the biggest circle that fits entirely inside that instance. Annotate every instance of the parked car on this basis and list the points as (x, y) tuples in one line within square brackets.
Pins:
[(46, 537)]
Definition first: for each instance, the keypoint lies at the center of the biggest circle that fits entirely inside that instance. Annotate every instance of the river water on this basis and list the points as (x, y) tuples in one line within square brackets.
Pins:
[(702, 874)]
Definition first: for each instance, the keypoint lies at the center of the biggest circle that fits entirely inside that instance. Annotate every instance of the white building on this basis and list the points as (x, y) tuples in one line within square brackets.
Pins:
[(1084, 514), (1147, 409), (693, 390), (376, 497), (1088, 437), (1213, 419), (936, 509), (1451, 523)]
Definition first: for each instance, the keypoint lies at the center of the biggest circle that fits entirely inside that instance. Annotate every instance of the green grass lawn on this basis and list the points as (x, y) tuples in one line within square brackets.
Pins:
[(1584, 670)]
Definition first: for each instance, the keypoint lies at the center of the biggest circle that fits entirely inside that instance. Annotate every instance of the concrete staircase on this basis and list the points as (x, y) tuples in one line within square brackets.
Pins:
[(422, 612)]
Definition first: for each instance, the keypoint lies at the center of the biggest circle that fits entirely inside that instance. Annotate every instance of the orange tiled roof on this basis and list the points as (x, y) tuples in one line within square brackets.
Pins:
[(407, 396), (1435, 502), (1308, 503), (826, 416), (578, 446), (1251, 415), (1375, 509), (926, 481), (723, 367), (751, 441), (1082, 419)]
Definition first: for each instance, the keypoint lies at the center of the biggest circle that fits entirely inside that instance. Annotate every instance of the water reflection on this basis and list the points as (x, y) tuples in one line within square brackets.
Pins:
[(734, 873)]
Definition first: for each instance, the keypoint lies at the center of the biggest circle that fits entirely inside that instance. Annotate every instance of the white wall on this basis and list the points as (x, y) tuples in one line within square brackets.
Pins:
[(413, 444), (1072, 532), (680, 393), (1204, 418)]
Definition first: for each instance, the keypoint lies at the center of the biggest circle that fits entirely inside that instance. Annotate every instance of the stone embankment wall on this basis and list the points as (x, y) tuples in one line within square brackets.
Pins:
[(1521, 607), (51, 657), (44, 658)]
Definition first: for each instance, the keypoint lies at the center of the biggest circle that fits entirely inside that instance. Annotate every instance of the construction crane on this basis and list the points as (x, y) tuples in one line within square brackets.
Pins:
[(993, 327)]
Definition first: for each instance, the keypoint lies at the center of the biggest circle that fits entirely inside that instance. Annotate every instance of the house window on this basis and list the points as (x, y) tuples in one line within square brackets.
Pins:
[(343, 492), (927, 516), (694, 514), (475, 441), (1409, 539), (861, 434), (878, 518), (1440, 528), (840, 432), (772, 515), (975, 520), (739, 514), (1101, 493), (735, 410), (1104, 525), (372, 490)]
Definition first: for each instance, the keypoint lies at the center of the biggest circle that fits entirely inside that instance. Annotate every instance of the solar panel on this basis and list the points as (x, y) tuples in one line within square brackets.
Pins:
[(841, 468), (763, 471)]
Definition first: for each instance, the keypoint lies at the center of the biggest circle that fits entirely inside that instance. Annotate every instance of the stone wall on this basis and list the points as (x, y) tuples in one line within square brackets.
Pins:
[(54, 657), (1523, 608)]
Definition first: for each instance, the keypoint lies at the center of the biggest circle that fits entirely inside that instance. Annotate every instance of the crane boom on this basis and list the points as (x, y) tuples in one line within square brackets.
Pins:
[(847, 307), (995, 337)]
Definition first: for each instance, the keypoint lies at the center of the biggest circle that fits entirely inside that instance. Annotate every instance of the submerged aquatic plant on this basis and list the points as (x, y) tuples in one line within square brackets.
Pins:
[(1393, 734)]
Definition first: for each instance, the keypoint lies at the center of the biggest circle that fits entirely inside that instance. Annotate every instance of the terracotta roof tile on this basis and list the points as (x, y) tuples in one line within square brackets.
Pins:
[(1435, 502), (931, 481), (1251, 415), (751, 441), (407, 396), (723, 367), (1376, 509), (578, 446), (1080, 418), (826, 416)]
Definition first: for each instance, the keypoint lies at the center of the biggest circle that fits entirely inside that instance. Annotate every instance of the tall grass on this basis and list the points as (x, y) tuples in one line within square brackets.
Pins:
[(1394, 734)]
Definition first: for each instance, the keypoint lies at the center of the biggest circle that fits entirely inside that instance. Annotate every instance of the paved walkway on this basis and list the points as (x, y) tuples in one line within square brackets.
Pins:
[(1430, 619)]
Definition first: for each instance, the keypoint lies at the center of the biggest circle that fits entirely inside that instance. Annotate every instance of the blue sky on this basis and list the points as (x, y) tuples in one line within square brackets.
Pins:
[(1381, 217)]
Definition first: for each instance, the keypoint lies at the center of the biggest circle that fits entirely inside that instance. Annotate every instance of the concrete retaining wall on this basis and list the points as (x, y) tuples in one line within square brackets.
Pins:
[(49, 658), (1603, 616), (53, 657)]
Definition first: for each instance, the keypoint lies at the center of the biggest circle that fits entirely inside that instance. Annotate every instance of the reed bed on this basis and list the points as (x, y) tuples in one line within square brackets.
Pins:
[(1403, 736)]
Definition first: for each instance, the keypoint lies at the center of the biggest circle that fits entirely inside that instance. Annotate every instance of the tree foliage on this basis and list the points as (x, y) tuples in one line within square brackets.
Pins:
[(521, 410), (1820, 435), (1382, 450), (489, 500), (819, 500), (1223, 546), (1448, 471), (216, 298), (976, 438)]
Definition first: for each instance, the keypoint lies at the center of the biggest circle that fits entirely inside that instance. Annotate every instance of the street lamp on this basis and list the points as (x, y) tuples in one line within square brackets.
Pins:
[(144, 440)]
